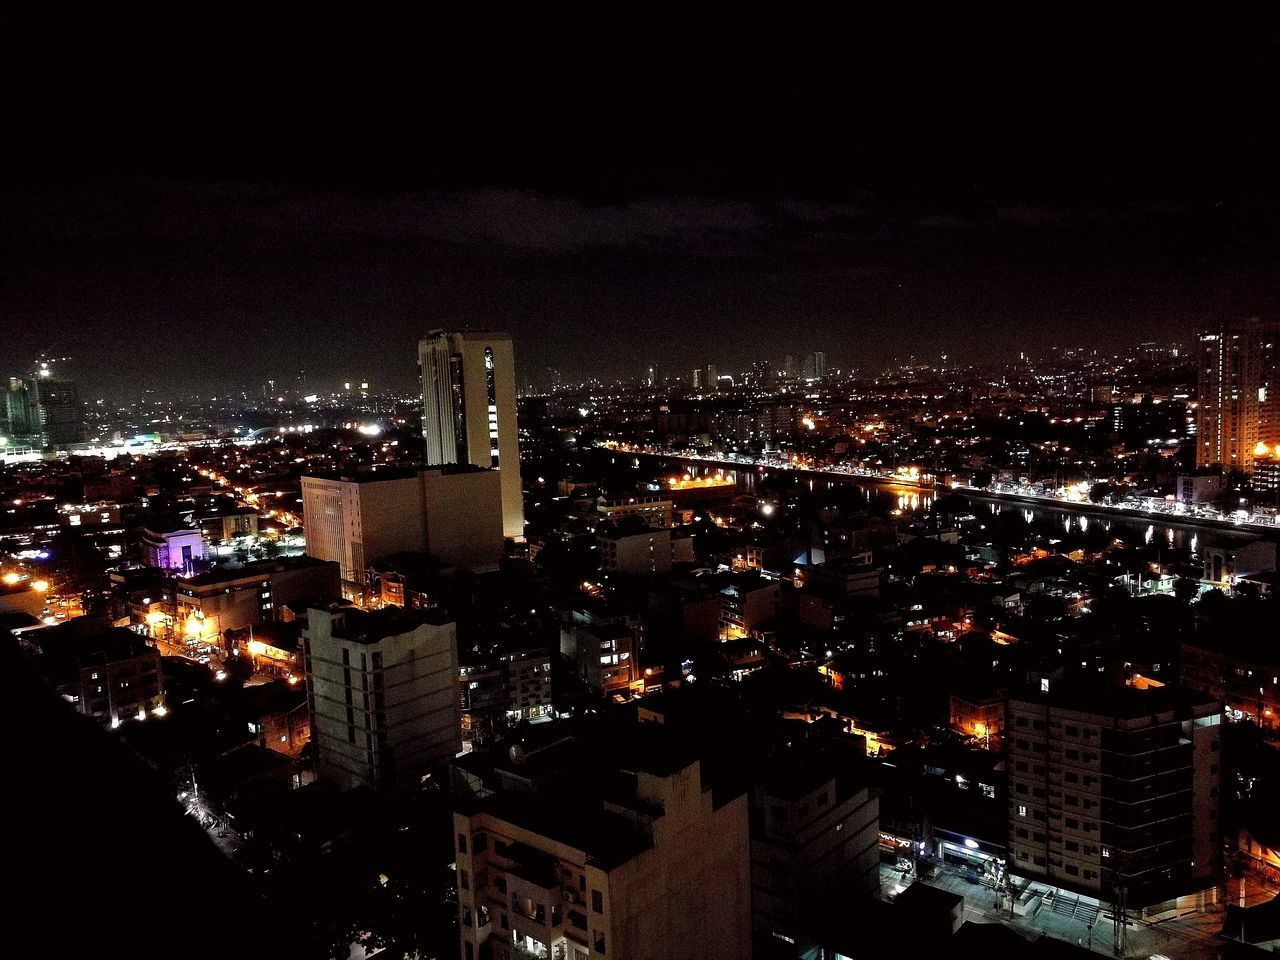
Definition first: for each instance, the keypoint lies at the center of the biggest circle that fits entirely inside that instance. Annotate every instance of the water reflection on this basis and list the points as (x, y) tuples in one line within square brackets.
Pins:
[(1051, 521)]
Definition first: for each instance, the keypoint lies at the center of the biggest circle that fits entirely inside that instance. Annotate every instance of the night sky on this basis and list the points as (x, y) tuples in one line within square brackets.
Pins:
[(736, 222)]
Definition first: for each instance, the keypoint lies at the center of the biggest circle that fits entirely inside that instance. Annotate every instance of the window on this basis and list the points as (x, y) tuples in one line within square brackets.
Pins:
[(462, 843), (597, 902), (599, 944), (464, 881), (1022, 809)]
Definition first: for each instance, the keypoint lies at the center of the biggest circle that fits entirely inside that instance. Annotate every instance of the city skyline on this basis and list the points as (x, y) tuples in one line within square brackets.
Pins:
[(604, 288), (732, 512)]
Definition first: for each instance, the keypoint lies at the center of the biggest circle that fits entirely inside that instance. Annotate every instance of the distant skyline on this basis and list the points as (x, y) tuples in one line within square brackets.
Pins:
[(238, 282), (607, 230)]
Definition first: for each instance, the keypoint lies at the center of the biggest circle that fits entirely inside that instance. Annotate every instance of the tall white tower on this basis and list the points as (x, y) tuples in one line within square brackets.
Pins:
[(469, 409)]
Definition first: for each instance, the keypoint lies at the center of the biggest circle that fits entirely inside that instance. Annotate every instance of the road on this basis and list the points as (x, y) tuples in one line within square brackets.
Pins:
[(1268, 527), (1191, 935)]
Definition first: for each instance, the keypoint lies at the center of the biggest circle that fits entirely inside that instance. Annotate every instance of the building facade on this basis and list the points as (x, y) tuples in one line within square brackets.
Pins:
[(1238, 417), (815, 844), (469, 410), (453, 513), (380, 692), (1115, 789), (655, 869)]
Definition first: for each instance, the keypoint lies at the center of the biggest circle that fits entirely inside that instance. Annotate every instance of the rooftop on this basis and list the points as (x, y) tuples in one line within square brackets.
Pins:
[(258, 568), (370, 626)]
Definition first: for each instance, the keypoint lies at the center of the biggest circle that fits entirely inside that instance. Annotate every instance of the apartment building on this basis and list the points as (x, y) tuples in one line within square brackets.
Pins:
[(612, 849), (815, 844), (1114, 787)]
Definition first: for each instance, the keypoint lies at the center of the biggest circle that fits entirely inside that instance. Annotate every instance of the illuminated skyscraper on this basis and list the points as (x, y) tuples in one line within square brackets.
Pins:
[(469, 409), (1239, 413), (43, 409)]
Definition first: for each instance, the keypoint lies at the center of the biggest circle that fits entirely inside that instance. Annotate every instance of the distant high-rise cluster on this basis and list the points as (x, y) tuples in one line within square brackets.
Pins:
[(705, 377), (1238, 419), (42, 409)]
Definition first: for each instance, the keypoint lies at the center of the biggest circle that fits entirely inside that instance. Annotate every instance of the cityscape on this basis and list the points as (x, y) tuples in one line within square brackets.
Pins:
[(754, 558)]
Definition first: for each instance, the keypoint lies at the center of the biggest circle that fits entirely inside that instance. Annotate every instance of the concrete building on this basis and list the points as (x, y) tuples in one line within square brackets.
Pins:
[(1266, 477), (380, 691), (469, 410), (234, 598), (1203, 486), (815, 844), (655, 510), (1240, 670), (979, 714), (614, 850), (747, 602), (502, 691), (1114, 787), (108, 673), (605, 655), (635, 549), (1228, 558), (454, 513), (1239, 411)]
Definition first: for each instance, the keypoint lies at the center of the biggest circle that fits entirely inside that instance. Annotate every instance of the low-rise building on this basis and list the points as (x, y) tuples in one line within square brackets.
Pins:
[(747, 603), (235, 598), (635, 549), (179, 550), (108, 673), (1241, 672), (656, 510), (604, 654), (1202, 486)]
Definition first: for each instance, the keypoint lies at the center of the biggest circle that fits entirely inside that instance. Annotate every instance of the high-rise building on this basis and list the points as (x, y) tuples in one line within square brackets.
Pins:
[(381, 692), (469, 410), (43, 409), (1238, 417), (816, 365), (1113, 791)]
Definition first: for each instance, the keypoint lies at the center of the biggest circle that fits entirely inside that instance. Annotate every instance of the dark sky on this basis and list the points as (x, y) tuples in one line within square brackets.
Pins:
[(872, 216)]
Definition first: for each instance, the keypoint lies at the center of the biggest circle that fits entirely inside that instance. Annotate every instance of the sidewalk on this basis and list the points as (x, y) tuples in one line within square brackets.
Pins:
[(1193, 936)]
